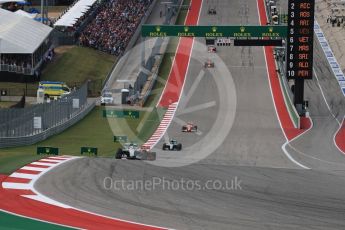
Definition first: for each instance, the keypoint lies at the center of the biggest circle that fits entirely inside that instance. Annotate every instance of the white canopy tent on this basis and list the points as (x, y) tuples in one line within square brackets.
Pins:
[(20, 34), (5, 1), (74, 13), (26, 14)]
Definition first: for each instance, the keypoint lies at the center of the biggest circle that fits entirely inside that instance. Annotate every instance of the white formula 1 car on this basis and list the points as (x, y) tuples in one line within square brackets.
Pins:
[(131, 151), (173, 145)]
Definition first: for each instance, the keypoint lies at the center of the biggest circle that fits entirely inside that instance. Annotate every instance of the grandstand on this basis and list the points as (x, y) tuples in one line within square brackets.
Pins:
[(24, 46), (11, 5), (114, 25), (106, 25), (26, 14), (71, 16)]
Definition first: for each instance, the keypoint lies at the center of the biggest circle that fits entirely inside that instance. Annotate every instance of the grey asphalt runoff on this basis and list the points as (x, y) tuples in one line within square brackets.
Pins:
[(316, 149), (268, 190)]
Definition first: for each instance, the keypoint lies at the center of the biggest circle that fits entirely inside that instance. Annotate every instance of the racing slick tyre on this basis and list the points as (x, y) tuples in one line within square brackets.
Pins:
[(118, 154), (164, 146), (179, 147)]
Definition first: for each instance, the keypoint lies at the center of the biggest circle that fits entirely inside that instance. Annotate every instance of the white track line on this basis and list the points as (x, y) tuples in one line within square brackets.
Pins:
[(42, 163), (288, 143), (33, 168), (23, 175), (58, 158), (12, 185), (50, 160)]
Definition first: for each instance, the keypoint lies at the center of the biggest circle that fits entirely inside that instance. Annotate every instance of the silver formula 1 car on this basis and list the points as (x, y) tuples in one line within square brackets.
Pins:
[(173, 145), (131, 151)]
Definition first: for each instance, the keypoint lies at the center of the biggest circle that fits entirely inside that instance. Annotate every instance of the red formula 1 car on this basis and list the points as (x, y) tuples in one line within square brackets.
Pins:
[(209, 64), (189, 127), (212, 49)]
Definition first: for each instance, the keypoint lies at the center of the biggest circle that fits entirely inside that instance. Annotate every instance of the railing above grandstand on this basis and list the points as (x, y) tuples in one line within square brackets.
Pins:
[(16, 69), (6, 1), (73, 14)]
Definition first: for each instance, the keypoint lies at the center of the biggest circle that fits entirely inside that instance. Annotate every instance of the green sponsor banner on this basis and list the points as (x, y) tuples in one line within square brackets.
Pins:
[(120, 138), (121, 114), (89, 150), (214, 31), (48, 150)]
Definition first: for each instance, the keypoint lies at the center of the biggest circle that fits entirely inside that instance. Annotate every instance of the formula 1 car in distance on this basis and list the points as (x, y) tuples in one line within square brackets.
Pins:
[(209, 64), (172, 145), (212, 11), (211, 49), (131, 151), (189, 127)]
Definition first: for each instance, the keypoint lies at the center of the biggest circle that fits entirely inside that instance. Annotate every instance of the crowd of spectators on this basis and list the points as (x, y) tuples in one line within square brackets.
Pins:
[(19, 62), (336, 21), (15, 63), (77, 25), (16, 60), (114, 25), (12, 6)]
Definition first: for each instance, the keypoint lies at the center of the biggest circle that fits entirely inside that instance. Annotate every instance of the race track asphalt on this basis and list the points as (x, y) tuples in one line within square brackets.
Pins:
[(316, 149)]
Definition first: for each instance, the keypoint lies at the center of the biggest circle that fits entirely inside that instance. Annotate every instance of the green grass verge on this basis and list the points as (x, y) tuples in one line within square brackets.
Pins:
[(151, 123), (94, 130), (8, 221), (138, 130), (18, 89), (79, 64), (182, 14), (11, 160), (6, 104), (163, 73), (91, 65)]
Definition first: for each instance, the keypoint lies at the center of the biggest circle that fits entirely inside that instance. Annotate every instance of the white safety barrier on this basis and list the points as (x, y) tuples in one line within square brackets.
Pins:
[(332, 61)]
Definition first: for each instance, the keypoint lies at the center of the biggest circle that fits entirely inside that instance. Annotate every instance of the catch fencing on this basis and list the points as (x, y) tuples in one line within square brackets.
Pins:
[(25, 126)]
